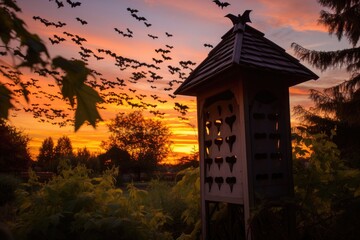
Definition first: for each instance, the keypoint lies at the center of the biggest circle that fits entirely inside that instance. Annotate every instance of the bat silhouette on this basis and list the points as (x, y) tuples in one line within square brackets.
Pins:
[(60, 39), (244, 18), (129, 31), (59, 24), (168, 34), (208, 45), (68, 34), (138, 18), (221, 4), (98, 57), (73, 4), (162, 50), (83, 22), (132, 10), (123, 34), (59, 3), (147, 24), (157, 60), (168, 46), (54, 41), (153, 36)]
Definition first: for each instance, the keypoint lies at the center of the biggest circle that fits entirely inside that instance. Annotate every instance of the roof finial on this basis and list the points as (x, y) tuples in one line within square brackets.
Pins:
[(244, 18)]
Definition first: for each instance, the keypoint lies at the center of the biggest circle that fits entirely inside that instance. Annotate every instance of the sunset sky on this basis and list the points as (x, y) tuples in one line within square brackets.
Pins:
[(185, 26)]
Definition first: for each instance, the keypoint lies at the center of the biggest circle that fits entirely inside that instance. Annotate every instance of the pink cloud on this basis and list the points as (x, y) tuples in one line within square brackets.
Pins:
[(300, 15)]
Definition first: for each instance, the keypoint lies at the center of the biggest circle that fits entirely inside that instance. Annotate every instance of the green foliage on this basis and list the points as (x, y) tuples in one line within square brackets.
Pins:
[(30, 51), (74, 206), (8, 185), (73, 86), (326, 189)]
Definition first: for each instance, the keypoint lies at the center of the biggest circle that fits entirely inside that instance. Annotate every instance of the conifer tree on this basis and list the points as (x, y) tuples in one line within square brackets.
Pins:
[(337, 107)]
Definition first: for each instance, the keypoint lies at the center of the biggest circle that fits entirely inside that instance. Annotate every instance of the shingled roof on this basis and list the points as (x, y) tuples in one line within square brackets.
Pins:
[(244, 47)]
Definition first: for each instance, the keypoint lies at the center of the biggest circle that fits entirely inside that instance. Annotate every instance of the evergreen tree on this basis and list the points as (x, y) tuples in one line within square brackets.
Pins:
[(47, 153), (337, 107)]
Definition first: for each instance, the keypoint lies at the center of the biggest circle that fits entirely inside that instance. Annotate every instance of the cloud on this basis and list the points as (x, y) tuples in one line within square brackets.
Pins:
[(299, 15)]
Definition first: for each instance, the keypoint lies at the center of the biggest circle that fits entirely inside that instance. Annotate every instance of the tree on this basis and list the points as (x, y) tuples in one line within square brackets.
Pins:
[(14, 153), (63, 149), (337, 107), (46, 153), (118, 158), (146, 140), (30, 52)]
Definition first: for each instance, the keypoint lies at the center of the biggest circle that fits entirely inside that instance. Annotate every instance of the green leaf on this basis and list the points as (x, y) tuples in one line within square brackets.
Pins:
[(73, 86), (5, 101), (86, 106)]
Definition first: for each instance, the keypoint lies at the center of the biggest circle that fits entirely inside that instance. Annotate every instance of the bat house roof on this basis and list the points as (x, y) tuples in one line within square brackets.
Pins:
[(245, 48)]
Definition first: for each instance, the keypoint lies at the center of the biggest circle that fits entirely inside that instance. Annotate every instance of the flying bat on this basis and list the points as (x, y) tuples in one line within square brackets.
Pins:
[(68, 34), (83, 22), (221, 4), (208, 45), (147, 24), (157, 60), (138, 18), (59, 3), (73, 4), (153, 36), (54, 41), (132, 10), (166, 57)]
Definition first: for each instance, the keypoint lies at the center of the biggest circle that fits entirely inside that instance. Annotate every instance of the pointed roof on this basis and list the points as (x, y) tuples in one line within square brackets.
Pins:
[(244, 47)]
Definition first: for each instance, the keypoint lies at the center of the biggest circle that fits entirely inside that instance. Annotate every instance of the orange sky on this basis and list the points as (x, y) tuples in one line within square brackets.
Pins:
[(192, 23)]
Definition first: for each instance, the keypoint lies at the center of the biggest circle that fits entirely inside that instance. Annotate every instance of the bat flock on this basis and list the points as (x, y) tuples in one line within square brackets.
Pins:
[(116, 91)]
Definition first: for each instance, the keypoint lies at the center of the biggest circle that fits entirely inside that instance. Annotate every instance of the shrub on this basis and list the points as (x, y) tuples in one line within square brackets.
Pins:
[(74, 206)]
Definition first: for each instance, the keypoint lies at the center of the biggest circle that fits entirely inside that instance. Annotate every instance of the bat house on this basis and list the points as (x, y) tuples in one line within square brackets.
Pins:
[(242, 90)]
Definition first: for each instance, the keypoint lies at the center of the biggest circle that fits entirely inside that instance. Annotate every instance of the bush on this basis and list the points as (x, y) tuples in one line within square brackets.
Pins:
[(8, 185), (74, 206)]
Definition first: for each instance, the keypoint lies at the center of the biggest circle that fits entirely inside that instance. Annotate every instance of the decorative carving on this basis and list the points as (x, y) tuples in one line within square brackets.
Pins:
[(218, 123), (208, 144), (231, 161), (210, 181), (218, 142), (219, 161), (231, 181), (230, 141), (208, 162), (230, 121), (208, 126), (219, 181)]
